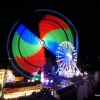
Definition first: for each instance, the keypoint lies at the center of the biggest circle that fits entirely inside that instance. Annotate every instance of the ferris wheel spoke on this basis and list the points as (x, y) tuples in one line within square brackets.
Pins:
[(64, 48), (59, 60), (60, 54), (61, 64), (61, 49), (60, 46)]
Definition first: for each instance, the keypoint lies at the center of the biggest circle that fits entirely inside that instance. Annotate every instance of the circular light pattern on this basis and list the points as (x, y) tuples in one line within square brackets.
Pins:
[(27, 43), (66, 59), (65, 54)]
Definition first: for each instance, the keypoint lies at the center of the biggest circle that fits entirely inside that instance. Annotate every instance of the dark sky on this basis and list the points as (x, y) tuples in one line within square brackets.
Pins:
[(84, 14)]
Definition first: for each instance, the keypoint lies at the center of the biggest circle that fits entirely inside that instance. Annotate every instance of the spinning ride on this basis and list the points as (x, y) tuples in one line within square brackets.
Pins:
[(28, 40)]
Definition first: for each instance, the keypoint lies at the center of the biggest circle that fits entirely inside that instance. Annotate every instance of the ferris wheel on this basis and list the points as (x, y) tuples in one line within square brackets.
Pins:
[(66, 58)]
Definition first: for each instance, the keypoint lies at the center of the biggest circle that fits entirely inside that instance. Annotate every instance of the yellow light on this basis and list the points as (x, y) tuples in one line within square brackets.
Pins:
[(21, 92)]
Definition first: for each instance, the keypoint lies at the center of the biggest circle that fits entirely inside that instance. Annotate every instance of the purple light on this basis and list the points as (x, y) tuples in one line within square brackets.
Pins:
[(47, 81), (42, 77)]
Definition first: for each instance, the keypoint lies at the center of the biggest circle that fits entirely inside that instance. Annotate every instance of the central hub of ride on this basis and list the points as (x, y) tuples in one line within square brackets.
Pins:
[(42, 42)]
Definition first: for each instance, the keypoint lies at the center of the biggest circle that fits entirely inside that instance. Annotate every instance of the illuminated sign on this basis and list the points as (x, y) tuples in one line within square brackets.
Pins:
[(9, 93)]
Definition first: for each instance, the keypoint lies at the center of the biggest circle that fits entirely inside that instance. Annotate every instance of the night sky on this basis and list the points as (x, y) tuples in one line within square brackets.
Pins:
[(85, 15)]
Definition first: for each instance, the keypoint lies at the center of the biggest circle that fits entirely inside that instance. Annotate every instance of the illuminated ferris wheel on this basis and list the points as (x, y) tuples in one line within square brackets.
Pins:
[(66, 59)]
